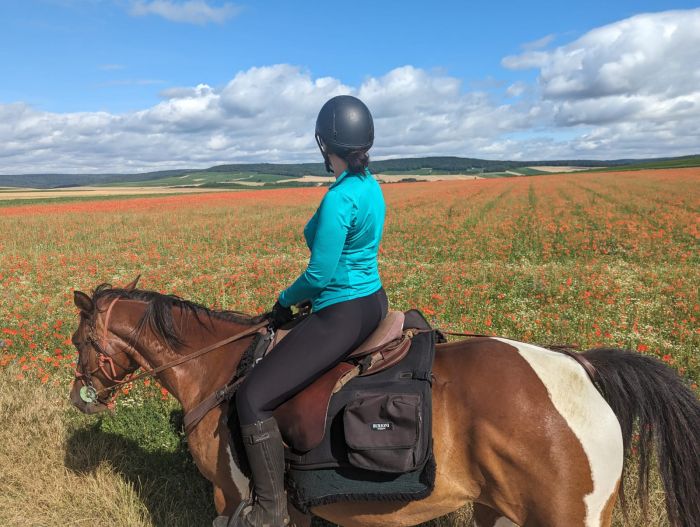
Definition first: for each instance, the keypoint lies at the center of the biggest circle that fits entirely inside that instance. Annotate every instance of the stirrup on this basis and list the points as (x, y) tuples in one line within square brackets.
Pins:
[(233, 520)]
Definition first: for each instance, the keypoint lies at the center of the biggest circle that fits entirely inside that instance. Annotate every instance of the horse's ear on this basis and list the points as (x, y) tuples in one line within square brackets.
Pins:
[(83, 302), (132, 285)]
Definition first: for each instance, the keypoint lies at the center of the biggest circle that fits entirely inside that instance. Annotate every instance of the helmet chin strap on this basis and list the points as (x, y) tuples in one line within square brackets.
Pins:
[(324, 153)]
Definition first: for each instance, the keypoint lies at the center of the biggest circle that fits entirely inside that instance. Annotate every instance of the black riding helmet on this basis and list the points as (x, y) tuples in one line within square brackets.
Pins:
[(344, 125)]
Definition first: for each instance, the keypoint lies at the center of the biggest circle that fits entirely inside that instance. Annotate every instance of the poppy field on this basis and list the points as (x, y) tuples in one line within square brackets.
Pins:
[(591, 259)]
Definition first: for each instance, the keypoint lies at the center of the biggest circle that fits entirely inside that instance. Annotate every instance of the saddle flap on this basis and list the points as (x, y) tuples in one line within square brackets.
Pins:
[(302, 419), (388, 329)]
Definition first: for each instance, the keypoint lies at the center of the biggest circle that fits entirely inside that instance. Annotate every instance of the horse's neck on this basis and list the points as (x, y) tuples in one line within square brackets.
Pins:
[(192, 381)]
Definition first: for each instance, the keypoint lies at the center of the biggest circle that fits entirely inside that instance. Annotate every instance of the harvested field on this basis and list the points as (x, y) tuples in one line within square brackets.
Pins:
[(395, 178), (83, 192), (558, 170), (390, 178), (246, 183)]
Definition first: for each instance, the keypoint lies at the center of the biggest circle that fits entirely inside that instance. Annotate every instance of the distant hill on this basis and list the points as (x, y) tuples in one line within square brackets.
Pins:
[(673, 162), (77, 180), (267, 172)]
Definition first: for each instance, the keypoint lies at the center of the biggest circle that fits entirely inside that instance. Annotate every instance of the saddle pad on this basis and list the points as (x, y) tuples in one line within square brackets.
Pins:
[(311, 488)]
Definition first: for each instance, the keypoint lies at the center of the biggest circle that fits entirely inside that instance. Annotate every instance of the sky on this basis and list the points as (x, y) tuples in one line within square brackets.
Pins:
[(133, 85)]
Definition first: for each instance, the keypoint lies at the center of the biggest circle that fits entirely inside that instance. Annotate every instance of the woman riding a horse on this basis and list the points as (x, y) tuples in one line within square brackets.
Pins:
[(342, 283)]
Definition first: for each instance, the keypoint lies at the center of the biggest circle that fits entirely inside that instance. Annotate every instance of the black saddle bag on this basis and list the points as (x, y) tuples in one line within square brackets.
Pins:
[(382, 431)]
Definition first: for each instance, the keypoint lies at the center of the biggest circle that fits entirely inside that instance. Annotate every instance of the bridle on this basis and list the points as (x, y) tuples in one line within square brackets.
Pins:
[(107, 365)]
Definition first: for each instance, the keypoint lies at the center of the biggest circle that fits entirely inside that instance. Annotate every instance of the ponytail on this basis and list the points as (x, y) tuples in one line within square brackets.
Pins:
[(358, 161)]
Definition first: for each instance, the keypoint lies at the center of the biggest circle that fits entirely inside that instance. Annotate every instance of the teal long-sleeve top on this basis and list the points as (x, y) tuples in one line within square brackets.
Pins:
[(344, 236)]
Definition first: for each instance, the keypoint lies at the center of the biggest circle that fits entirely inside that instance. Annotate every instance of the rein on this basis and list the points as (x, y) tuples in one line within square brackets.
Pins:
[(90, 395)]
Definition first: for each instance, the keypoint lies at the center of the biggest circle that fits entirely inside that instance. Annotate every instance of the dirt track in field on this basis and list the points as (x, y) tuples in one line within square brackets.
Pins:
[(390, 178), (558, 170)]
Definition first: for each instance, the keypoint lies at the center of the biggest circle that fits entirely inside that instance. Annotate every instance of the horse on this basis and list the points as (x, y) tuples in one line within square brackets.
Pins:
[(521, 431)]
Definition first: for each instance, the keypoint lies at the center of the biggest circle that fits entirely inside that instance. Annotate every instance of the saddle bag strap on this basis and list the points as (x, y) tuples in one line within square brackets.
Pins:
[(423, 375)]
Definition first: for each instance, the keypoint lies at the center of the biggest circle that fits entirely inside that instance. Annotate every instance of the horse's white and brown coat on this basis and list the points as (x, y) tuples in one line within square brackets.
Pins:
[(588, 415), (518, 429)]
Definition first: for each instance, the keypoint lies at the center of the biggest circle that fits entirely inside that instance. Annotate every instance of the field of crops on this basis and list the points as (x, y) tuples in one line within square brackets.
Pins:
[(591, 259)]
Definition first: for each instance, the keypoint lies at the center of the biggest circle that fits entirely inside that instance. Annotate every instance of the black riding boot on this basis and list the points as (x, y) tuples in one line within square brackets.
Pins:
[(265, 451)]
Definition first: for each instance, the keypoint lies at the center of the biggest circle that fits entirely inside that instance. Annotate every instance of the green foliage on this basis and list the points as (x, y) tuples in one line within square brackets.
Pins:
[(526, 171), (150, 422), (670, 162)]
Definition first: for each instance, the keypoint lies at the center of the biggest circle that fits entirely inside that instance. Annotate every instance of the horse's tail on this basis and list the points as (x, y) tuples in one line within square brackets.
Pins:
[(643, 390)]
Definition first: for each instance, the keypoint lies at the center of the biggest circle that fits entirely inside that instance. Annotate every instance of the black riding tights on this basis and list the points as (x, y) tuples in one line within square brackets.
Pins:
[(313, 347)]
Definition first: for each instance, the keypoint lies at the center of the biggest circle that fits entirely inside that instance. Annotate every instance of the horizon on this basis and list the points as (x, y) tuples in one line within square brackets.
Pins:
[(133, 86), (542, 162)]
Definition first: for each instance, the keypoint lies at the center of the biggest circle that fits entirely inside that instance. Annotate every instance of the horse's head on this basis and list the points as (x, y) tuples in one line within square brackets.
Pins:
[(103, 358)]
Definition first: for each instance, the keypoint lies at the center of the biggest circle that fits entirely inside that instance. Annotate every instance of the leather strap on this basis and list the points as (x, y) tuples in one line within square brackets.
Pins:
[(458, 334), (155, 371), (194, 416)]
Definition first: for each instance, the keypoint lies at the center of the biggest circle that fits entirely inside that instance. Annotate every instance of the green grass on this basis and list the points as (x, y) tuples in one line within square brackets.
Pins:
[(496, 175), (684, 162), (527, 171)]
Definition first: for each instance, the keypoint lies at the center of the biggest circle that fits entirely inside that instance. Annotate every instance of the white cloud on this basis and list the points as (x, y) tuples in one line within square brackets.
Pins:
[(578, 108), (262, 114), (636, 78), (539, 43), (190, 12), (516, 89), (650, 54), (111, 67)]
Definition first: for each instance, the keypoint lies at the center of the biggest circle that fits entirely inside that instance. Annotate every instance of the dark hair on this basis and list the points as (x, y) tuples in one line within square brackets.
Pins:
[(358, 161)]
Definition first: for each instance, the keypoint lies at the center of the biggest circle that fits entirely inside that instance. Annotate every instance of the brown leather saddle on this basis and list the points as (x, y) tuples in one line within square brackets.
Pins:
[(302, 419)]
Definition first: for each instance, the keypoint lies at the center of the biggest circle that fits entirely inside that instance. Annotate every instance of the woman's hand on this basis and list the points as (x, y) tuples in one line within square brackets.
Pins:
[(304, 308), (280, 315)]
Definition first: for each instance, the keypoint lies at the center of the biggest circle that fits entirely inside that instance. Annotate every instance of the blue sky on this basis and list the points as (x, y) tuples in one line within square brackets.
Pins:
[(63, 58)]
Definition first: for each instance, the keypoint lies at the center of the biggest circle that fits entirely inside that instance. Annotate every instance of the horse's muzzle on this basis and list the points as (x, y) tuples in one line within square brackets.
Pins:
[(86, 408)]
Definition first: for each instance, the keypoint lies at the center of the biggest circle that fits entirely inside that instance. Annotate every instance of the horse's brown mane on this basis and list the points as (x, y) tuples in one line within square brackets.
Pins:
[(158, 316)]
